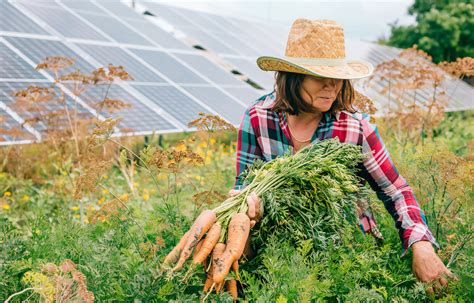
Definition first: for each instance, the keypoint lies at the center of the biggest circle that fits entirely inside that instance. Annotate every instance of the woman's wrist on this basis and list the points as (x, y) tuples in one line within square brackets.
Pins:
[(422, 245)]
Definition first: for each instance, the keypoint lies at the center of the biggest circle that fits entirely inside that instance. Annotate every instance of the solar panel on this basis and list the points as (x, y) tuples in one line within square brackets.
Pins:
[(81, 6), (168, 13), (106, 55), (209, 69), (11, 130), (35, 107), (177, 104), (156, 34), (209, 42), (38, 49), (12, 66), (116, 30), (250, 69), (121, 10), (65, 22), (137, 118), (245, 94), (15, 21), (228, 108), (169, 66)]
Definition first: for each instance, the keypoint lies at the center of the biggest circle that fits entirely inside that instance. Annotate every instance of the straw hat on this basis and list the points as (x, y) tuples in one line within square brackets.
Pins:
[(316, 47)]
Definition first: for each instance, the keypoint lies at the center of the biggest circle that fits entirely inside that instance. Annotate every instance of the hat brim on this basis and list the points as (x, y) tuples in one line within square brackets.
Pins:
[(350, 69)]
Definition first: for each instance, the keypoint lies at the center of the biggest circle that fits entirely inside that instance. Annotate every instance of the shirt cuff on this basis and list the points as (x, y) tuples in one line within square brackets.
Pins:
[(415, 233)]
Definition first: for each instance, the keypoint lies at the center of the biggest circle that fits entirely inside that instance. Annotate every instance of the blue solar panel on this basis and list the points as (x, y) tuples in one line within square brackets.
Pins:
[(13, 66), (14, 20), (11, 130), (121, 10), (31, 108), (170, 67), (209, 69), (37, 50), (224, 105), (65, 23), (158, 35), (176, 103), (115, 29), (116, 56), (245, 94), (136, 118)]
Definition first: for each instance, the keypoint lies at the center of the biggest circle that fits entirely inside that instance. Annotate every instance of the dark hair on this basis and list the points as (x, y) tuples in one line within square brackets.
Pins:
[(288, 97)]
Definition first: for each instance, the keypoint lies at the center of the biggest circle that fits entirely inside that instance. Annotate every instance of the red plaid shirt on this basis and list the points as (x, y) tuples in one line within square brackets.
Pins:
[(264, 134)]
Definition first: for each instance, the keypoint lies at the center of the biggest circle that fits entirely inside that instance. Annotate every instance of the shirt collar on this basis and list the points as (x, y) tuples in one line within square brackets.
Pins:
[(270, 100)]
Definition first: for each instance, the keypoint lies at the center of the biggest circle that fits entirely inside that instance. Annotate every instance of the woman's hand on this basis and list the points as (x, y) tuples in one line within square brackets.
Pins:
[(428, 267), (255, 211), (255, 214)]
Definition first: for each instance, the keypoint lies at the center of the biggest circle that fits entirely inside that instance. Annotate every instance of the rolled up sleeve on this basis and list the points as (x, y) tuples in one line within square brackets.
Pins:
[(390, 187), (248, 149)]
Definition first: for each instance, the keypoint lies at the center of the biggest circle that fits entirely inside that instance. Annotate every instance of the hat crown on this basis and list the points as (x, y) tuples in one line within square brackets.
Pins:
[(316, 39)]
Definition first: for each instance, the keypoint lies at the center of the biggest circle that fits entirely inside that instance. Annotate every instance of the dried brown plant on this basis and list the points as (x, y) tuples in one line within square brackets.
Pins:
[(210, 123), (410, 113)]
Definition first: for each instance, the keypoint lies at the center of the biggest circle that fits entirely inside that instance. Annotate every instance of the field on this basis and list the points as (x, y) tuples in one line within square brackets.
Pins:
[(103, 236)]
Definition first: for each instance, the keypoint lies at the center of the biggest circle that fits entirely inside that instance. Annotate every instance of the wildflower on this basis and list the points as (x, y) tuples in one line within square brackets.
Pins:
[(41, 283), (105, 191), (25, 198), (75, 208), (146, 195), (5, 206), (124, 197), (181, 147), (7, 194), (212, 141), (77, 216), (101, 200)]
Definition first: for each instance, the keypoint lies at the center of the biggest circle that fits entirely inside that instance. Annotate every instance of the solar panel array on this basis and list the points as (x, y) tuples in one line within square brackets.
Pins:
[(173, 80), (240, 42)]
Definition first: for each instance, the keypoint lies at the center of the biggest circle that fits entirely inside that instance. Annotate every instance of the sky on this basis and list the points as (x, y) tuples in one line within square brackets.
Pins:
[(361, 19)]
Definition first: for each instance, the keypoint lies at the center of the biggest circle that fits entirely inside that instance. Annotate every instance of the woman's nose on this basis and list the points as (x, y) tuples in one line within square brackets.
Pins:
[(331, 82)]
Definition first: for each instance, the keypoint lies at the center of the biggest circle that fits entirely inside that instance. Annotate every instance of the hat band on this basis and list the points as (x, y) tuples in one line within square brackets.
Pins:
[(317, 61)]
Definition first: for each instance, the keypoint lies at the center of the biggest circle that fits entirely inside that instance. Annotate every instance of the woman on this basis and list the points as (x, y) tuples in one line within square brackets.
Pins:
[(312, 101)]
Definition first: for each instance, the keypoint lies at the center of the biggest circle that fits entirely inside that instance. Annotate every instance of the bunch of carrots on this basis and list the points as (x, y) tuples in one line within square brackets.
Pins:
[(217, 238)]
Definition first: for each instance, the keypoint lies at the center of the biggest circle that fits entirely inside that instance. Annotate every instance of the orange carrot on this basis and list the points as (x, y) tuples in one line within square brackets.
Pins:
[(232, 288), (200, 226), (174, 254), (208, 244), (235, 268), (208, 283), (198, 248), (239, 229), (219, 287)]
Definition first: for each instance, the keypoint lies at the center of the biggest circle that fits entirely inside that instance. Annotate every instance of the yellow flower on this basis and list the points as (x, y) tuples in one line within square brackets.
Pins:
[(105, 191), (101, 201), (25, 198), (77, 216), (5, 206), (197, 177), (124, 197), (75, 208), (146, 197), (38, 231), (7, 194), (105, 177), (180, 147), (135, 184), (212, 141)]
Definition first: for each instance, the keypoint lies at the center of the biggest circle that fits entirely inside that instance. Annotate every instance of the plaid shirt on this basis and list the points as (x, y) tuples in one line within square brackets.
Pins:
[(264, 134)]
